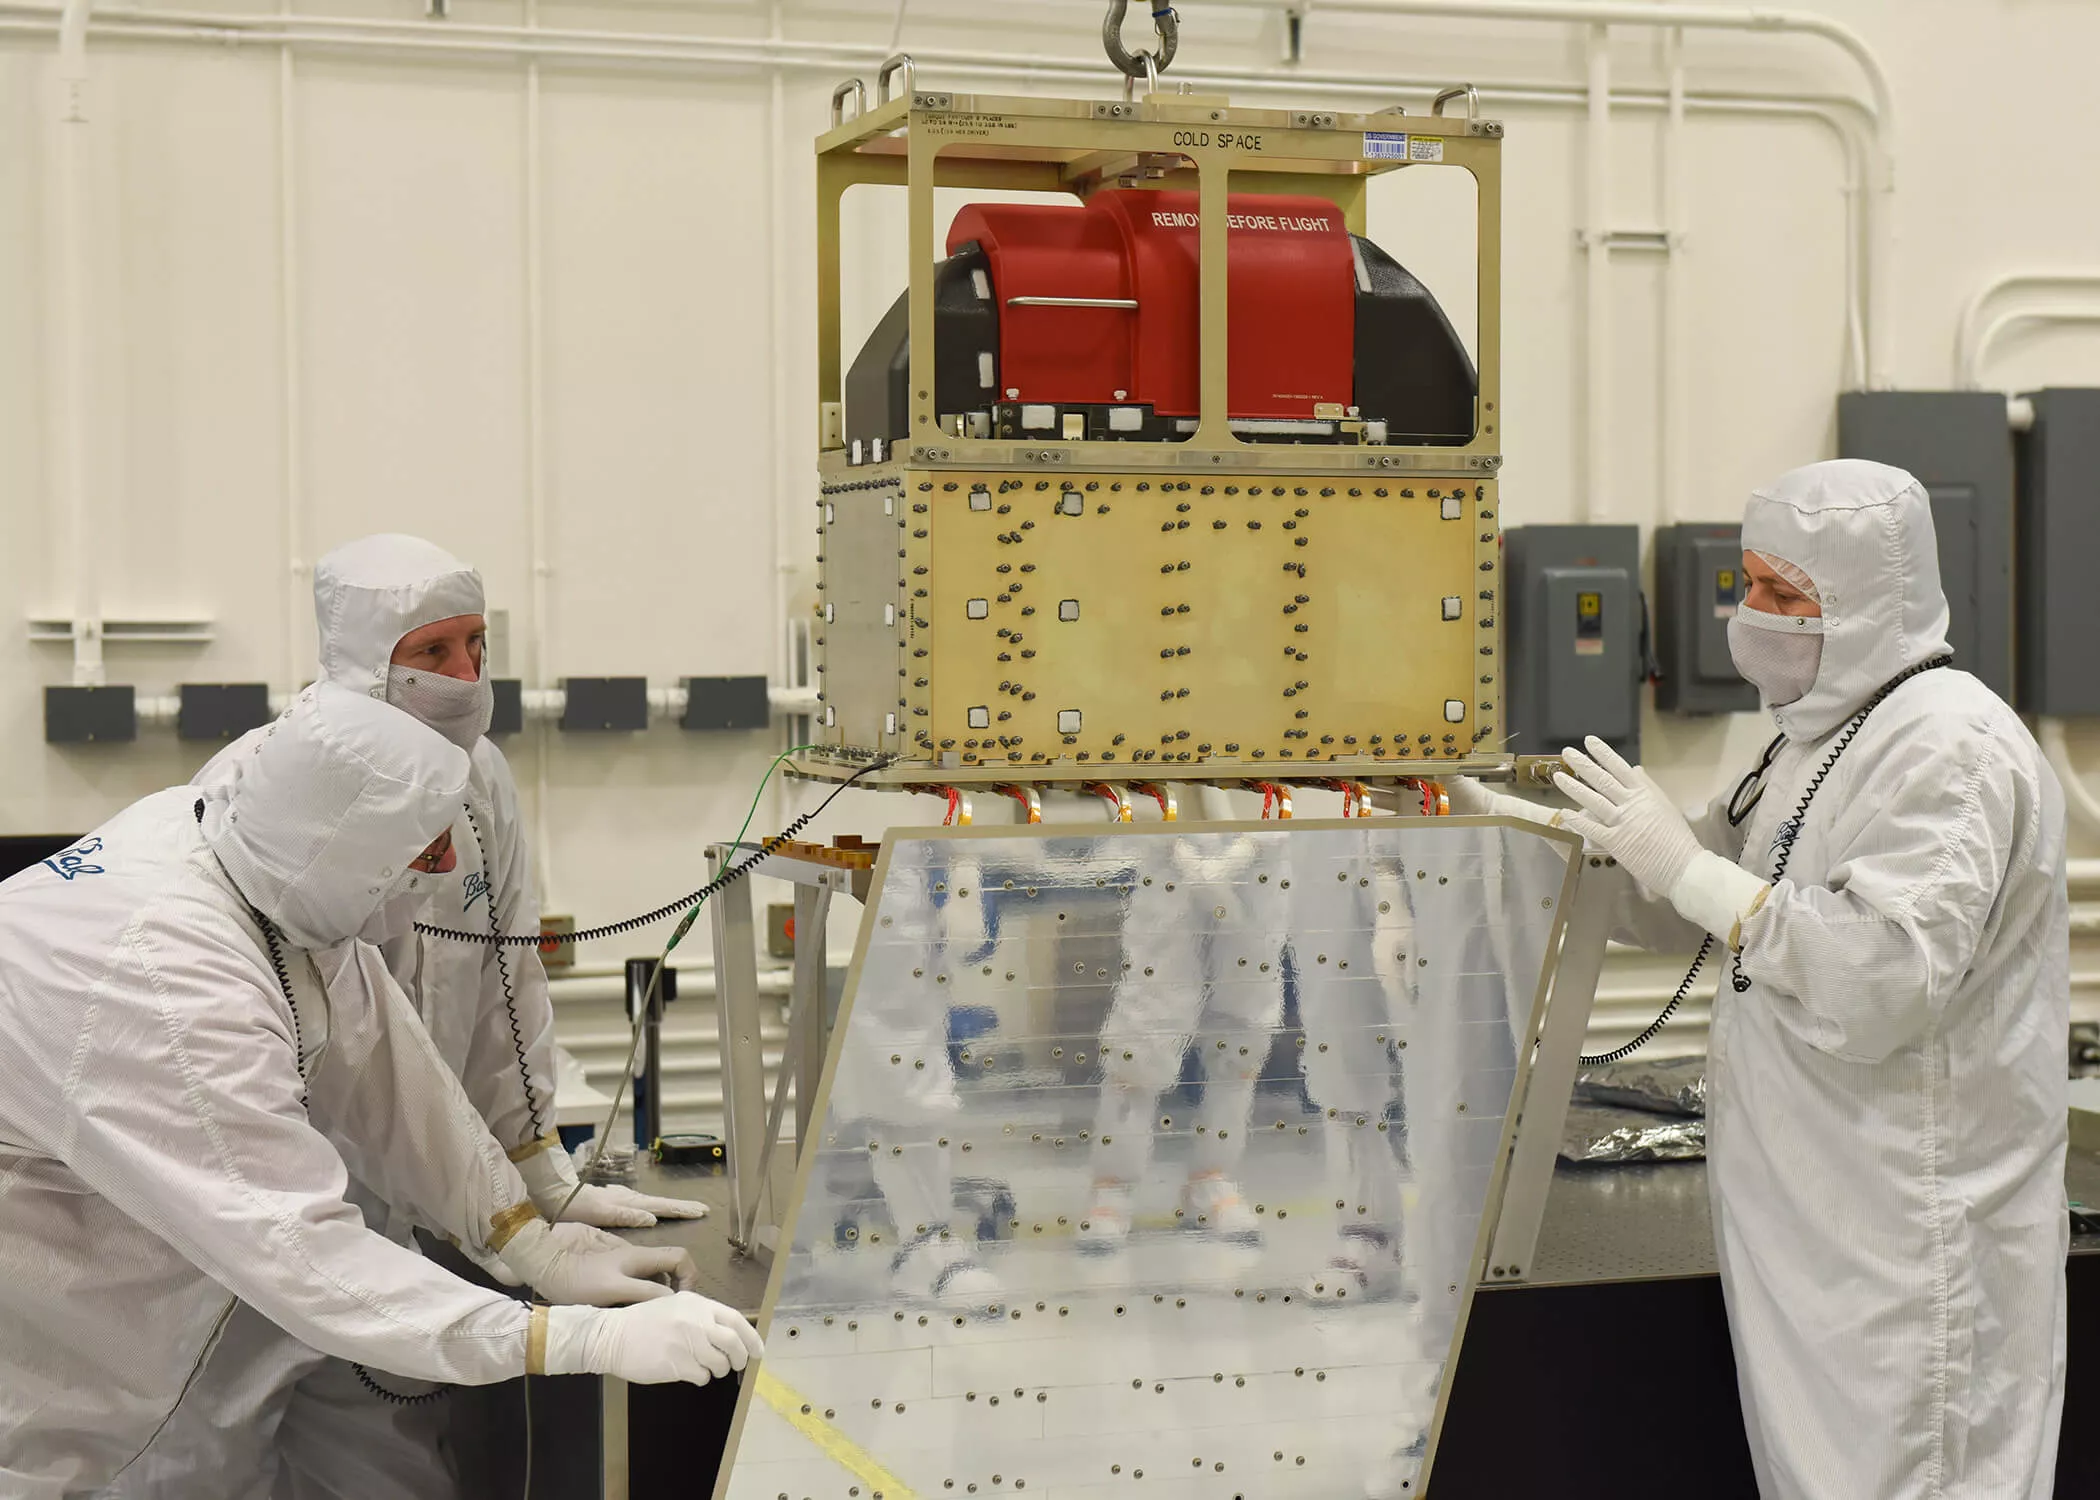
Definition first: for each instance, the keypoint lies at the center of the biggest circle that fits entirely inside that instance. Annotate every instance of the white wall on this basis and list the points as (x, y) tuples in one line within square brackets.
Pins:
[(242, 422)]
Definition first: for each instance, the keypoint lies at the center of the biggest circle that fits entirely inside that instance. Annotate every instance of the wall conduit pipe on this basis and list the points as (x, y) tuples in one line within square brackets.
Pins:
[(69, 385), (1979, 353), (782, 420), (1675, 417), (1968, 335), (1596, 240), (532, 231), (297, 599)]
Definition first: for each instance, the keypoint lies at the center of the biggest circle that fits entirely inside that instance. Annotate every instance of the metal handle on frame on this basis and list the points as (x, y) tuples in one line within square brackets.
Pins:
[(1464, 91), (852, 89), (888, 70), (1128, 304)]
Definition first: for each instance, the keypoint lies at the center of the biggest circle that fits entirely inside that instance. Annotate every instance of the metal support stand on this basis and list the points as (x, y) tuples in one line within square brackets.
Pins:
[(1543, 1109), (809, 1024), (743, 1061), (749, 1136)]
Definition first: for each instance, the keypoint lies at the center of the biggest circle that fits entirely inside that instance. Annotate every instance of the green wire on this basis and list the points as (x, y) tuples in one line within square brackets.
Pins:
[(656, 975), (685, 924)]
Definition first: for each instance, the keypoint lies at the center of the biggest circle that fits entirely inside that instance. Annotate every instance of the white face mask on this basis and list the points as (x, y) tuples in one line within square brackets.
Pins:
[(1779, 655), (397, 910), (460, 711)]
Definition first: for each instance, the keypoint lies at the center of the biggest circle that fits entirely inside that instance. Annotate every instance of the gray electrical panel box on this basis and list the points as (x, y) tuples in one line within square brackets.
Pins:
[(1573, 628), (2058, 597), (1959, 446), (90, 715), (221, 710), (1698, 584)]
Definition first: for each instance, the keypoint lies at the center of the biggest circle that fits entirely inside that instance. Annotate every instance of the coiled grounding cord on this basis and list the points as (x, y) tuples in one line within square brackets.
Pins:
[(727, 878), (510, 995), (499, 941), (1788, 832), (1791, 829)]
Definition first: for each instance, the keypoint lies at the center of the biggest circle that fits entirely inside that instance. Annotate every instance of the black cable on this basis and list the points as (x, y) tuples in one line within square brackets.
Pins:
[(500, 941), (1620, 1054), (284, 982), (1788, 833), (728, 877), (398, 1398), (510, 996), (274, 943)]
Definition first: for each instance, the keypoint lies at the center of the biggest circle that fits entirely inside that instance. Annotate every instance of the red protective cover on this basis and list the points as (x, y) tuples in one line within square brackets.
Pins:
[(1291, 285)]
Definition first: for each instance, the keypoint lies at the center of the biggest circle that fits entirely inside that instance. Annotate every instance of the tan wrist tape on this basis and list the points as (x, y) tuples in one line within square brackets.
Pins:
[(533, 1148), (1735, 933), (536, 1343), (503, 1227)]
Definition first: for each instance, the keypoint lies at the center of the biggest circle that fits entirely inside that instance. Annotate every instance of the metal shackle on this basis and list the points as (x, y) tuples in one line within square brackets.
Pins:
[(1131, 64)]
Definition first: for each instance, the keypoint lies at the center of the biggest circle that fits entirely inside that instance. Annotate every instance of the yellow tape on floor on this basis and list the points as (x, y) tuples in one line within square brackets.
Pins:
[(840, 1449)]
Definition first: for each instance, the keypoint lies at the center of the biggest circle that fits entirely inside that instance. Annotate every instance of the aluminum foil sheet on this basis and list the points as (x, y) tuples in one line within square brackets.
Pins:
[(1603, 1135), (1671, 1086)]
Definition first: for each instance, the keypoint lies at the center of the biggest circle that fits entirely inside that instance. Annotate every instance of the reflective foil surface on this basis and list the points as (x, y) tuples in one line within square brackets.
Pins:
[(1153, 1162)]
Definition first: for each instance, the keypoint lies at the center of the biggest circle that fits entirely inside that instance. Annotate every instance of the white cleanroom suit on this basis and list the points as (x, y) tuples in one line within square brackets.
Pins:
[(486, 1005), (1886, 1122), (164, 1097), (265, 1394)]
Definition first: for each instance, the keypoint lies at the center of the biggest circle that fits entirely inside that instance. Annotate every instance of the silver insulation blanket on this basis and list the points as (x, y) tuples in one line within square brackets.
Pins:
[(1672, 1086), (1601, 1135)]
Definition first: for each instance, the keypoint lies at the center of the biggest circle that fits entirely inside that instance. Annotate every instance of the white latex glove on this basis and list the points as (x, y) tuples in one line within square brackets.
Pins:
[(578, 1263), (550, 1177), (616, 1207), (566, 1237), (1718, 895), (1626, 814), (683, 1337), (1629, 817), (1471, 799)]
